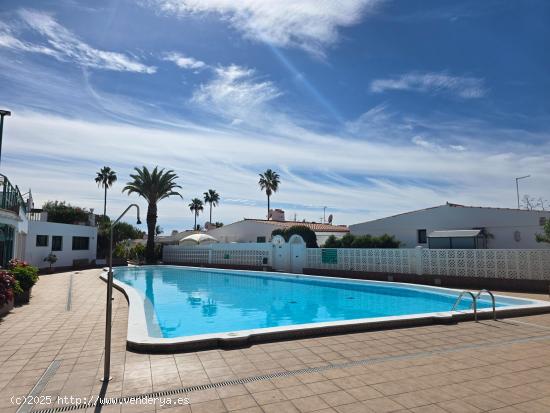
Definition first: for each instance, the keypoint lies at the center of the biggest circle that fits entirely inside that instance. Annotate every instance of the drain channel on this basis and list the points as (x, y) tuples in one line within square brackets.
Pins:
[(309, 370), (70, 294), (38, 387)]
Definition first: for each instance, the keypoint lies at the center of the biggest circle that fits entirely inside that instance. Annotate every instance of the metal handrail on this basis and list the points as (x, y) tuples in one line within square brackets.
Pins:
[(10, 196), (474, 302), (492, 299)]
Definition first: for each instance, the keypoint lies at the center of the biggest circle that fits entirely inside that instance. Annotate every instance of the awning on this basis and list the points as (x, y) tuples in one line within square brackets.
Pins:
[(455, 233)]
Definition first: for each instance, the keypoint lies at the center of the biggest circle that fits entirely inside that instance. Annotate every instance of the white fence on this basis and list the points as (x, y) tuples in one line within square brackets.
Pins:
[(483, 263), (488, 263), (230, 254), (400, 261), (507, 264)]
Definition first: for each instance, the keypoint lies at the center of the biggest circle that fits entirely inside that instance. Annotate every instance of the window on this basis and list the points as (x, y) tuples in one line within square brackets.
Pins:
[(41, 240), (81, 243), (260, 239), (57, 243), (421, 235), (542, 221)]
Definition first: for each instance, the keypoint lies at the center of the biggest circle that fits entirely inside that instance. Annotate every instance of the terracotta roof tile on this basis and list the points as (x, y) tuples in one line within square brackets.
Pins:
[(315, 226)]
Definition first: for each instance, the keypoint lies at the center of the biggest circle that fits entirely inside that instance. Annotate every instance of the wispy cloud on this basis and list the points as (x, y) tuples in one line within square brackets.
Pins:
[(311, 25), (64, 45), (185, 62), (235, 92), (464, 87)]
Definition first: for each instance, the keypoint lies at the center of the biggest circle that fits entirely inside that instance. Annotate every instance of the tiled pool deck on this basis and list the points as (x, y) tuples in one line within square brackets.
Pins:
[(501, 366)]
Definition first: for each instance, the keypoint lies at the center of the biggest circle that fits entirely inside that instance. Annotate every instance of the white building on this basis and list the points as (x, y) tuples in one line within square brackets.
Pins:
[(259, 230), (73, 245), (451, 225), (13, 222)]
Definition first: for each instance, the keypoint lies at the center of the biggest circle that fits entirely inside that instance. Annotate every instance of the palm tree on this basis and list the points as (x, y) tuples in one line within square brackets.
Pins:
[(213, 198), (106, 177), (153, 186), (196, 206), (269, 181)]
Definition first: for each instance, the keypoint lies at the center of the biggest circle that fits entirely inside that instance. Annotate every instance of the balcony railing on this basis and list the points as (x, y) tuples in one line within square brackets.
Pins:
[(10, 196)]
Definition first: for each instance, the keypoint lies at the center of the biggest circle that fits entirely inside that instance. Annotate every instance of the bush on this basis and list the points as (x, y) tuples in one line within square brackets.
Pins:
[(136, 253), (362, 241), (65, 213), (121, 232), (305, 232), (25, 275), (7, 286)]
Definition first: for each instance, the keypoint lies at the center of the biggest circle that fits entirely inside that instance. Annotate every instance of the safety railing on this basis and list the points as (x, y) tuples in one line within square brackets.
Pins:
[(10, 196)]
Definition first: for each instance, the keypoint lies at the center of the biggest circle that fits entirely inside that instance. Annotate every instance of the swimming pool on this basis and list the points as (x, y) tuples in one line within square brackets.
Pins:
[(194, 306)]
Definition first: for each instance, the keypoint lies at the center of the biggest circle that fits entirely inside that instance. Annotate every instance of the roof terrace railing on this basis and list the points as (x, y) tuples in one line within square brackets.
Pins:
[(10, 196)]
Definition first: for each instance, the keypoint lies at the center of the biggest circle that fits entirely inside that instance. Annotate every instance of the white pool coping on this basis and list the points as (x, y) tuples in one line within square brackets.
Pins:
[(139, 339)]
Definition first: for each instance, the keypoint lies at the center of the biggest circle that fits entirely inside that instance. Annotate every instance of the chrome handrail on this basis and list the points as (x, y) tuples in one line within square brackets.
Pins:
[(492, 299), (474, 302)]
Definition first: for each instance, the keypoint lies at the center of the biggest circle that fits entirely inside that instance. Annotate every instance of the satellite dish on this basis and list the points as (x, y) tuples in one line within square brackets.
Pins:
[(330, 218)]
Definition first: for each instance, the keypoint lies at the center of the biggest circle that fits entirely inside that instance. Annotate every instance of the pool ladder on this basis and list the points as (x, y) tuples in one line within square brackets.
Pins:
[(475, 297)]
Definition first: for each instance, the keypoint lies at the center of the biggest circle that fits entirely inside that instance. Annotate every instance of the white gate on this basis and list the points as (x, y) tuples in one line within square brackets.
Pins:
[(297, 253), (280, 254)]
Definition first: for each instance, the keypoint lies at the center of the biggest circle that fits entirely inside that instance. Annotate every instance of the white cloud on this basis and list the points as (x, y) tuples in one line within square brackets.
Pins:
[(236, 93), (311, 25), (375, 178), (64, 45), (185, 62), (464, 87)]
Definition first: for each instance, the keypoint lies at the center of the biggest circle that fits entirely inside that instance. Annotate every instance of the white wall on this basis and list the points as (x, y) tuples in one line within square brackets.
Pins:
[(501, 223), (243, 231), (35, 255), (249, 231)]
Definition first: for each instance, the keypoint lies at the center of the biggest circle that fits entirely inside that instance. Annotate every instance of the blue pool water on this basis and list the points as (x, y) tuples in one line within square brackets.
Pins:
[(183, 301)]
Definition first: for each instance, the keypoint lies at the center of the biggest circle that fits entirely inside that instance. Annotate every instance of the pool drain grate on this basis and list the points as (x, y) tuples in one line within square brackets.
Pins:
[(69, 304), (38, 387), (290, 373)]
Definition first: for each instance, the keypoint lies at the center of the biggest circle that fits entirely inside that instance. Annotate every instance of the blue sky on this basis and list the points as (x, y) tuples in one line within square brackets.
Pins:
[(368, 107)]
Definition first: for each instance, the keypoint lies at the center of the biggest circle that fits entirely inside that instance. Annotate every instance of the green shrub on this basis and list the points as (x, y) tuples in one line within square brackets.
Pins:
[(26, 275), (332, 242), (362, 241), (7, 287), (308, 235)]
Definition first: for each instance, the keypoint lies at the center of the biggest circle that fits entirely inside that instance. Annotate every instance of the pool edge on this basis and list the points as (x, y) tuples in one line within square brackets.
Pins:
[(139, 340)]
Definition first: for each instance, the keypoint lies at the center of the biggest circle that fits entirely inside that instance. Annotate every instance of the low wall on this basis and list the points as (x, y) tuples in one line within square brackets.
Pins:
[(477, 283)]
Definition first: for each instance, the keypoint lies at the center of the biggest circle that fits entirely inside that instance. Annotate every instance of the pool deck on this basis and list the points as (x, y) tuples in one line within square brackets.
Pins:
[(501, 366)]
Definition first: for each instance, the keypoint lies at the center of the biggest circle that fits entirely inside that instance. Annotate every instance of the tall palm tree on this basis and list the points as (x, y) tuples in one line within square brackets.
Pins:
[(153, 186), (196, 206), (269, 181), (106, 177), (213, 198)]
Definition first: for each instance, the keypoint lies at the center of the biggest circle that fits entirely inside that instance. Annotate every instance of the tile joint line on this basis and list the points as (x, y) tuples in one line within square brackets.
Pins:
[(290, 373)]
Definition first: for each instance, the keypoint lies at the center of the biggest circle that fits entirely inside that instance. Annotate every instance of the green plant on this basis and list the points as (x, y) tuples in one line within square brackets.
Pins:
[(26, 275), (106, 177), (65, 213), (213, 198), (332, 242), (51, 259), (308, 235), (362, 241), (7, 286), (153, 186), (196, 206), (269, 181), (122, 232), (545, 237)]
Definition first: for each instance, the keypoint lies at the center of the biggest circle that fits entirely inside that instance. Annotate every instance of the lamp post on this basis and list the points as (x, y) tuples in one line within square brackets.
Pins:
[(109, 308), (517, 185), (2, 114)]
